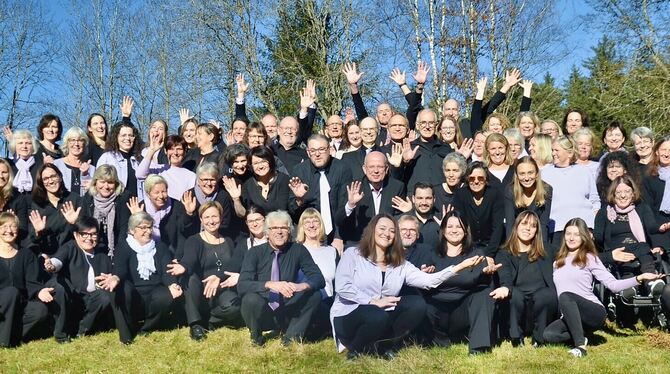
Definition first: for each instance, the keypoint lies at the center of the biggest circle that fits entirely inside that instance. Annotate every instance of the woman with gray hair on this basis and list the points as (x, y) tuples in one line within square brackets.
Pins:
[(76, 172), (141, 264), (517, 143), (24, 163), (173, 220), (108, 202), (643, 144), (453, 168)]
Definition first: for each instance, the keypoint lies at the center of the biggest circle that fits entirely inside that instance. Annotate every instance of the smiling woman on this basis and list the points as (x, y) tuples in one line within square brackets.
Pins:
[(76, 171)]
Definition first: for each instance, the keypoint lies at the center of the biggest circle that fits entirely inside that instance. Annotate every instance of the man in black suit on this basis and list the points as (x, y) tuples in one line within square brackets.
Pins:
[(367, 197), (288, 148), (87, 278), (272, 296)]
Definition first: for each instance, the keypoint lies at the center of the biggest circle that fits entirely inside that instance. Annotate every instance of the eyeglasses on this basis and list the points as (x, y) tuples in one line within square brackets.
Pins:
[(255, 221), (314, 151), (51, 178), (288, 130), (72, 141), (427, 123), (478, 179), (207, 180), (413, 231), (88, 235), (259, 163), (144, 228), (278, 228)]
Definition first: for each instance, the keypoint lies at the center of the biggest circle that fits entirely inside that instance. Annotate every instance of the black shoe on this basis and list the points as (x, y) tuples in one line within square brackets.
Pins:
[(389, 355), (479, 351), (64, 340), (198, 333), (144, 333), (257, 340), (286, 342), (127, 342), (353, 355), (517, 342)]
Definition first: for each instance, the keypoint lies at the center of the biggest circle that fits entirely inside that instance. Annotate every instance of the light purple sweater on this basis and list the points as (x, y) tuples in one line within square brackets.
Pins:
[(572, 278)]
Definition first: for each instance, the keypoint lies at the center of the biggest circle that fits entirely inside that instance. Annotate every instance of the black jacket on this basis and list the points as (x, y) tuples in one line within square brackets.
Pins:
[(509, 271)]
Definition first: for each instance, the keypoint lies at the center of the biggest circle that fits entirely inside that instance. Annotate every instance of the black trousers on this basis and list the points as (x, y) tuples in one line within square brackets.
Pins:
[(148, 304), (91, 306), (222, 309), (18, 316), (362, 329), (293, 317), (541, 305), (578, 314), (471, 318)]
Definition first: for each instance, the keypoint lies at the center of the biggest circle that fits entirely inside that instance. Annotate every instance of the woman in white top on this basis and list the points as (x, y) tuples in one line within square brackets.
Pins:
[(312, 234)]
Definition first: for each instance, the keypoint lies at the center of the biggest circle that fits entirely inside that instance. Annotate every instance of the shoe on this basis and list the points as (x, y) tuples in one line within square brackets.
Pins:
[(479, 351), (656, 288), (577, 352), (517, 342), (257, 340), (286, 341), (127, 342), (144, 333), (389, 355), (198, 333), (64, 340), (353, 355)]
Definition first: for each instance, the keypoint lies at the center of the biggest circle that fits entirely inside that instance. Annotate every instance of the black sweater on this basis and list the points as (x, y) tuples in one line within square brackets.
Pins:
[(125, 267), (23, 275), (485, 220), (200, 258)]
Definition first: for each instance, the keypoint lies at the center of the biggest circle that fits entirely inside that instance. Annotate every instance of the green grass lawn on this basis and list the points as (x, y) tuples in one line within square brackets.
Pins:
[(226, 350)]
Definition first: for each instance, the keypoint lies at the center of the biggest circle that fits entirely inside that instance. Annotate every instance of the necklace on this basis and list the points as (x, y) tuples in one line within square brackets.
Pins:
[(218, 262)]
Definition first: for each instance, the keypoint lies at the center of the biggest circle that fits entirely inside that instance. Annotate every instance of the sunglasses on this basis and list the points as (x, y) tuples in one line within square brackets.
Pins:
[(479, 179)]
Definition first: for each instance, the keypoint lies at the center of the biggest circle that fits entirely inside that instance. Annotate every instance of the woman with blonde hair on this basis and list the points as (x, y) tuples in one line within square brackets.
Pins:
[(539, 148), (584, 139), (77, 171), (312, 234), (528, 124), (496, 123), (528, 192), (498, 159)]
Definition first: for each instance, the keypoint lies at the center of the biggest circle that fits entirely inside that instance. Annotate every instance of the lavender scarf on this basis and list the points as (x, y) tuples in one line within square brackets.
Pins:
[(633, 220), (157, 215), (664, 175), (104, 211)]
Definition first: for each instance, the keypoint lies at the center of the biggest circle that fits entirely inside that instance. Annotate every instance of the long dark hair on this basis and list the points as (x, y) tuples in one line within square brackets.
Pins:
[(40, 195), (394, 255), (112, 144), (466, 244), (655, 162), (88, 124), (603, 183)]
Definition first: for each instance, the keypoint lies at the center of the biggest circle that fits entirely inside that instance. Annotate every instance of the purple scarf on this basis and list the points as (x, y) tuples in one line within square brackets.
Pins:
[(157, 215), (633, 220)]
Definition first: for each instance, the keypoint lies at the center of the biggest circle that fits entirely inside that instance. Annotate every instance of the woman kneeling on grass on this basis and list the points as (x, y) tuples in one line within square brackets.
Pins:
[(367, 283), (576, 265)]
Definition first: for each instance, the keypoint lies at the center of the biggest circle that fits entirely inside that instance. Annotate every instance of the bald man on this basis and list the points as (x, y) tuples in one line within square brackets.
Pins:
[(367, 197), (288, 148), (334, 131)]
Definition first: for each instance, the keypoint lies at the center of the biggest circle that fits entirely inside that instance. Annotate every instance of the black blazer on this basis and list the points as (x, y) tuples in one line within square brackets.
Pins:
[(652, 195), (509, 271), (200, 261), (277, 196), (33, 169), (351, 227), (355, 160), (176, 226), (23, 275), (507, 179), (121, 216), (75, 266), (427, 163), (511, 211), (227, 218), (485, 220), (20, 204), (125, 267)]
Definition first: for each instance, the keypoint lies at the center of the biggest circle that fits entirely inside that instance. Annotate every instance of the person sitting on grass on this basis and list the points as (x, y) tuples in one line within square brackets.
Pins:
[(576, 266)]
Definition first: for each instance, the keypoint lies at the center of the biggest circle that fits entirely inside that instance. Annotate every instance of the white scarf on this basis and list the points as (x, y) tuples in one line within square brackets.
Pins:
[(145, 256), (23, 181)]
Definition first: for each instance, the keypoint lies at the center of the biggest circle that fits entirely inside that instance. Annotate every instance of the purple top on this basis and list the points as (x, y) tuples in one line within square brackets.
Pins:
[(179, 179), (571, 278), (574, 195)]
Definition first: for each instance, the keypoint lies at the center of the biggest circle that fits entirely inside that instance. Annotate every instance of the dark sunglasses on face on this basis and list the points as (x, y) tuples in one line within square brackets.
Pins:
[(479, 179)]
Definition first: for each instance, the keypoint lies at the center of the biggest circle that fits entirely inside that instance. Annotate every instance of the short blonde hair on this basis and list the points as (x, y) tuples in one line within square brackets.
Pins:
[(307, 214), (22, 134), (153, 180), (106, 173)]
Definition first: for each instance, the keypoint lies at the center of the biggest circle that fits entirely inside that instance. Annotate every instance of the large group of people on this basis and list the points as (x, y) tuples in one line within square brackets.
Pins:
[(375, 230)]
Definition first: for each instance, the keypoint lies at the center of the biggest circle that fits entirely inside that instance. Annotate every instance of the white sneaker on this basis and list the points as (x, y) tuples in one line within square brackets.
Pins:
[(577, 352), (656, 288)]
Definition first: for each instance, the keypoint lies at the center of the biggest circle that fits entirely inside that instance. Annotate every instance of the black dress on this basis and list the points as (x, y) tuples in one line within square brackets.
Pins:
[(277, 195)]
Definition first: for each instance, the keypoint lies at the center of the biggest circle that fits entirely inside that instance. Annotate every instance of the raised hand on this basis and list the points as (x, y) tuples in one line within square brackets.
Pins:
[(230, 138), (481, 88), (411, 135), (351, 74), (84, 167), (38, 221), (307, 95), (349, 115), (127, 106), (47, 159), (231, 281), (354, 193), (189, 201), (234, 189), (408, 152), (175, 268), (527, 86), (512, 77), (299, 189), (398, 203), (45, 295), (184, 115), (134, 205), (398, 76), (500, 293), (69, 212), (7, 132), (466, 148), (242, 86), (422, 70), (156, 142), (395, 158)]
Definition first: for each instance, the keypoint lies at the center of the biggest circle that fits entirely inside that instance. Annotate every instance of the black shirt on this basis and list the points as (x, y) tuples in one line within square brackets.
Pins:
[(291, 157), (485, 220), (277, 195), (529, 278), (75, 181), (204, 259), (131, 185)]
